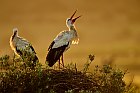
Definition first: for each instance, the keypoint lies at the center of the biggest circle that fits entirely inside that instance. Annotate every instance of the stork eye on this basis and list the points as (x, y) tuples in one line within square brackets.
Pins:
[(68, 19)]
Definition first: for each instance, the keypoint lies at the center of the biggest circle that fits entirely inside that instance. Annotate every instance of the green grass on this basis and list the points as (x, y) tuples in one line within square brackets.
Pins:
[(18, 77)]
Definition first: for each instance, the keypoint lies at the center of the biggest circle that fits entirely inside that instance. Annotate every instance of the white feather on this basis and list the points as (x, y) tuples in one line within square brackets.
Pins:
[(63, 38), (75, 41), (21, 44)]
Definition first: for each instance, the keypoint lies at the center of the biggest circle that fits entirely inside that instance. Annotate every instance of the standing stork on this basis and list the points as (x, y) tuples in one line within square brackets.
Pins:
[(23, 48), (62, 42)]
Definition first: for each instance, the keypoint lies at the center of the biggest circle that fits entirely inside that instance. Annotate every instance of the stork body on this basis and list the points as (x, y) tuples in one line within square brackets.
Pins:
[(62, 42), (22, 47)]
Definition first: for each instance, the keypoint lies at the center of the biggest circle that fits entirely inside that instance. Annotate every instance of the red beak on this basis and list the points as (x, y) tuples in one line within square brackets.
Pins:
[(74, 19)]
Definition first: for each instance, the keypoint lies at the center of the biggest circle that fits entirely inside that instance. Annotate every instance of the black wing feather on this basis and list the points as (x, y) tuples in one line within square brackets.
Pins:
[(54, 54), (51, 45), (32, 49), (19, 51), (23, 54)]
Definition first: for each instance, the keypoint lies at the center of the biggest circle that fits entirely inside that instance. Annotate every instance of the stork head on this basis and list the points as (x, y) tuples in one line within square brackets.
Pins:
[(15, 31), (70, 21)]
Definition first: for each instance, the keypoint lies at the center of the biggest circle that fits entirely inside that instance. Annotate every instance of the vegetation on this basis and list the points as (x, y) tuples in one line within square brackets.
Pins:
[(18, 77)]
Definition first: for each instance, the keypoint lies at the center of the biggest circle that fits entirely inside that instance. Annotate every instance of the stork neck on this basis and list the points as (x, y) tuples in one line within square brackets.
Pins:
[(14, 35), (72, 28)]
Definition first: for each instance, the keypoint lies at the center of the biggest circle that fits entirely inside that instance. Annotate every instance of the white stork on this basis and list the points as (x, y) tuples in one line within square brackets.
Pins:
[(22, 47), (62, 42)]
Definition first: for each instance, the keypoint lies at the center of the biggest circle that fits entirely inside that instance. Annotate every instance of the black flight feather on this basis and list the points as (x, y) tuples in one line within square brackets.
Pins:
[(19, 51), (51, 45), (32, 49), (23, 54), (54, 54)]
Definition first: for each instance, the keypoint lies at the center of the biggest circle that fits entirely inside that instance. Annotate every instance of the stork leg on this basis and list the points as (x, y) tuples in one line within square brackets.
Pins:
[(62, 61), (59, 63), (14, 56)]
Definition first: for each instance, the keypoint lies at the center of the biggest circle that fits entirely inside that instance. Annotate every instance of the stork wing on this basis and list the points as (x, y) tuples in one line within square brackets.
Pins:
[(25, 50), (51, 45), (54, 55), (63, 38), (25, 45)]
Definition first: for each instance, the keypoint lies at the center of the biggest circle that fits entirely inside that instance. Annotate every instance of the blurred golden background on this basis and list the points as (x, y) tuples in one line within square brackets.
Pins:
[(109, 29)]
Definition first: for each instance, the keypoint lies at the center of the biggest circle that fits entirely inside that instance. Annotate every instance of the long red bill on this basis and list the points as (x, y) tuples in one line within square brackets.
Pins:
[(73, 20), (73, 14)]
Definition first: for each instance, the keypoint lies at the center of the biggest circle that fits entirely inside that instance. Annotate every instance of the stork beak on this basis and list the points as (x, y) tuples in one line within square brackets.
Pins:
[(74, 19)]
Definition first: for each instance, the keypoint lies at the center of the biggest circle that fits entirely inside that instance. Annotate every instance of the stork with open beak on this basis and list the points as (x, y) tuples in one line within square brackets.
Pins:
[(62, 42)]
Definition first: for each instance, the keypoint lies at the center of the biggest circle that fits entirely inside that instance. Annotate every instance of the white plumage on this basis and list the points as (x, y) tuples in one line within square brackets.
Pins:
[(65, 37), (62, 42), (22, 47)]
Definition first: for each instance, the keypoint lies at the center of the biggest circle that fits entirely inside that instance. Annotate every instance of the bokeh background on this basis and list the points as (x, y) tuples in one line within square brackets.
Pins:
[(109, 29)]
